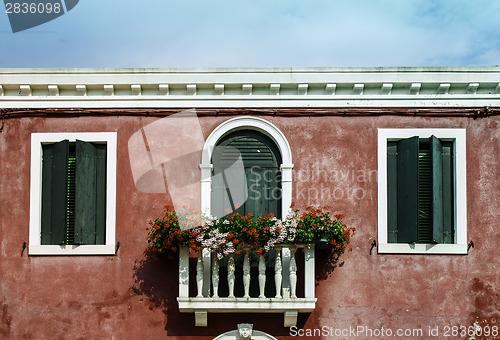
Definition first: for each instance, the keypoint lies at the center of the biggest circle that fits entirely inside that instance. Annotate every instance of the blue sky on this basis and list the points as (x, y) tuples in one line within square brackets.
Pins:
[(260, 33)]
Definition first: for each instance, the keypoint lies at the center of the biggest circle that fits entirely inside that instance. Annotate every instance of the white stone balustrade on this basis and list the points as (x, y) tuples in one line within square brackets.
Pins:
[(285, 300)]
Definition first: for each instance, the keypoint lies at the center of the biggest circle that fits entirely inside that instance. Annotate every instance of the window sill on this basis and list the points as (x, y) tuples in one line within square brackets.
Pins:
[(430, 249), (71, 250)]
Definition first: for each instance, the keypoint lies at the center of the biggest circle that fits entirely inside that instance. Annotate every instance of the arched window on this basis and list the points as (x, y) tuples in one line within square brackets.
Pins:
[(268, 134), (246, 175)]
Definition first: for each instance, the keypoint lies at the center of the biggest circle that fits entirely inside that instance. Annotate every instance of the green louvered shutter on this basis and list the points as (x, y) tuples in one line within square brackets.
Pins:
[(420, 193), (54, 192), (425, 194), (261, 160), (443, 195), (228, 182), (437, 190), (392, 192), (70, 207), (407, 190), (448, 193), (90, 193), (100, 230)]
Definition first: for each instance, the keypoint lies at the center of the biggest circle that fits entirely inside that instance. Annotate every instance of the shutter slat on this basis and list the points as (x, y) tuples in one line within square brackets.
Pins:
[(407, 190), (217, 205), (55, 173), (273, 191), (448, 193), (437, 190), (70, 210), (100, 229), (85, 196), (46, 218), (424, 194), (256, 191), (392, 194)]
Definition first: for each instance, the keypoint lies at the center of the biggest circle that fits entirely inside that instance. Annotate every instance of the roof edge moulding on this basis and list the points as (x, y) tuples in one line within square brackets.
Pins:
[(251, 87)]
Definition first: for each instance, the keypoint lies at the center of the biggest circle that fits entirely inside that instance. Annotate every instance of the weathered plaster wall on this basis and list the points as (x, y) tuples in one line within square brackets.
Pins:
[(128, 297)]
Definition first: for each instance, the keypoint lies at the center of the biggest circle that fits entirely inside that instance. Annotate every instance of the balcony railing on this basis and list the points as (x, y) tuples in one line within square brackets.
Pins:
[(248, 283)]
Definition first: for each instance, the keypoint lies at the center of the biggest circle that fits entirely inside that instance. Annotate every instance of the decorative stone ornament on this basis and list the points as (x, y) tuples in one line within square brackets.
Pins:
[(245, 331)]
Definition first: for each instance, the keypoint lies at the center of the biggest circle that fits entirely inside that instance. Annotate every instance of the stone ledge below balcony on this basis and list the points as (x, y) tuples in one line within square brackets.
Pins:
[(202, 306), (244, 305)]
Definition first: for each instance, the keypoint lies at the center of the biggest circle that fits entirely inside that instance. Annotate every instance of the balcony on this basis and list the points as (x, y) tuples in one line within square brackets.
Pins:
[(278, 282)]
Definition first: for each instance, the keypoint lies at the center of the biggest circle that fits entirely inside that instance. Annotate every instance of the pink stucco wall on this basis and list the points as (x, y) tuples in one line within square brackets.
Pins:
[(335, 163)]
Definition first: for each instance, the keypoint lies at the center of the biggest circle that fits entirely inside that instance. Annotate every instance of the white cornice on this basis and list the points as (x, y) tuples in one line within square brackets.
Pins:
[(300, 87)]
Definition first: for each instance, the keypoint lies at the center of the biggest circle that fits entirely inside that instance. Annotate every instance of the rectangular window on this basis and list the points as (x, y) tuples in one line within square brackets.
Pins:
[(73, 194), (422, 191)]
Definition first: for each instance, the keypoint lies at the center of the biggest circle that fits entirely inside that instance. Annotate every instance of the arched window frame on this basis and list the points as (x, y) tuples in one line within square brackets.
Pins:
[(247, 123)]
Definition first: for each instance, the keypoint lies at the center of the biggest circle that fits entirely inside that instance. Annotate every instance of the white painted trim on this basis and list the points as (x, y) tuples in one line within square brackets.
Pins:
[(247, 123), (404, 248), (228, 101), (37, 139), (256, 88), (108, 249), (459, 137), (309, 271)]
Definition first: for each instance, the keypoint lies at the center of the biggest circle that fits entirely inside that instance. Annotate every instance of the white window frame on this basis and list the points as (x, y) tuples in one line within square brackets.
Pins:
[(247, 123), (35, 246), (459, 150)]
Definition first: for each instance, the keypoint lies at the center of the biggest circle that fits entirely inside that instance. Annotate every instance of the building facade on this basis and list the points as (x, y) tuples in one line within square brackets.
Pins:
[(410, 157)]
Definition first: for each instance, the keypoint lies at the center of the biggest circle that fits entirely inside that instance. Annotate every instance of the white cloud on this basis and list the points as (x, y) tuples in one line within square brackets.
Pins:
[(260, 33)]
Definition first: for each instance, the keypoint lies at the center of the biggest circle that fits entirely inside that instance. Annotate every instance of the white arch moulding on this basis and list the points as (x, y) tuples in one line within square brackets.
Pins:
[(247, 123)]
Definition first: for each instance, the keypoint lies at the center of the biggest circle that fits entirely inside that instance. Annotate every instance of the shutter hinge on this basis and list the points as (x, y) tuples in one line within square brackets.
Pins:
[(471, 244), (374, 244)]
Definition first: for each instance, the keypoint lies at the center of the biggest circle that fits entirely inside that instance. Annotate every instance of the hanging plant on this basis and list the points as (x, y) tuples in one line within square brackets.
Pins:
[(237, 234)]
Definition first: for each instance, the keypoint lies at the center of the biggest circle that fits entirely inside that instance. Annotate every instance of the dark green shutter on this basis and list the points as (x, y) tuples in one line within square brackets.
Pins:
[(392, 192), (261, 159), (54, 192), (420, 193), (407, 191), (256, 190), (273, 191), (425, 213), (437, 190), (70, 208), (90, 193), (228, 184), (218, 202), (264, 192), (101, 157), (448, 193)]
